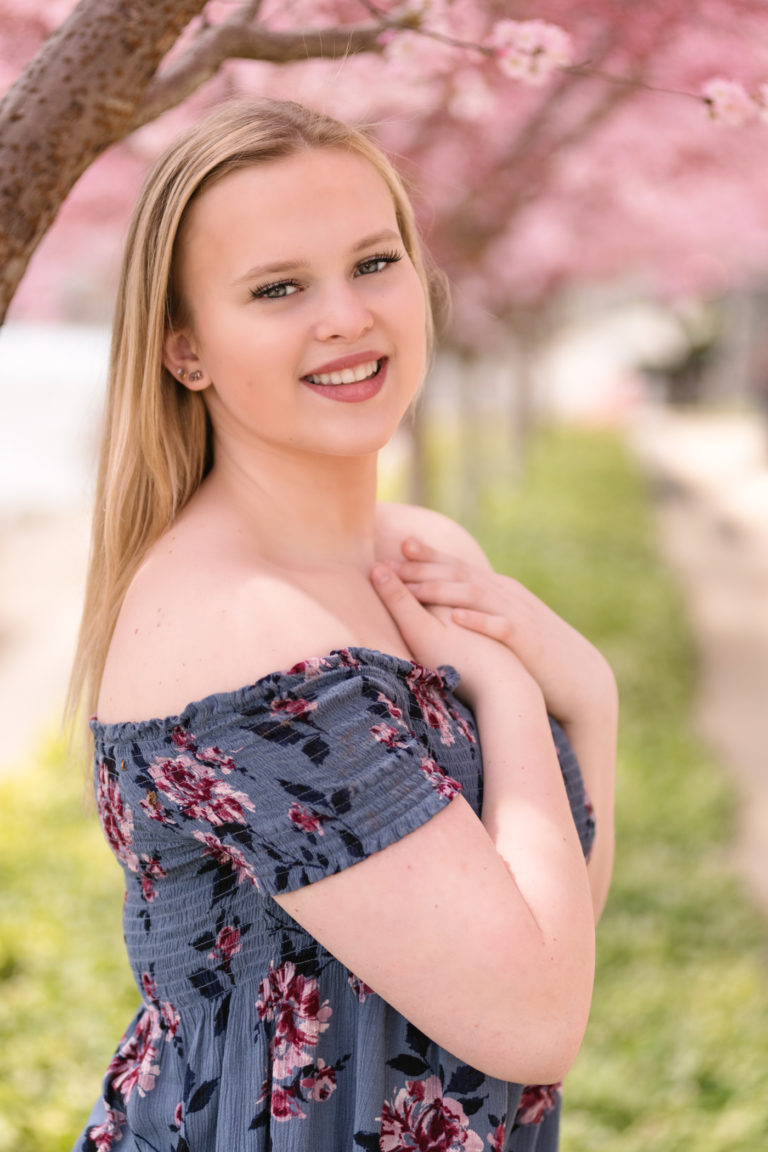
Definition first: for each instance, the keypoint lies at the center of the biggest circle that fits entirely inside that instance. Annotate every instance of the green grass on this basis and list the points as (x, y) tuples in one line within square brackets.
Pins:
[(676, 1056)]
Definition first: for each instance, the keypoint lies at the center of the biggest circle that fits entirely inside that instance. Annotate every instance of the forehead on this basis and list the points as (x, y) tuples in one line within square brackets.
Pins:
[(313, 196)]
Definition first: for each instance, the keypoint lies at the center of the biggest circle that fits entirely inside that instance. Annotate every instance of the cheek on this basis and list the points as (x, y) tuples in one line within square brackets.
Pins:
[(413, 315)]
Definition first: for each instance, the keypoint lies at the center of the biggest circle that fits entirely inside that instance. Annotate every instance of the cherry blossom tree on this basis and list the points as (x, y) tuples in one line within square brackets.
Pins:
[(495, 109)]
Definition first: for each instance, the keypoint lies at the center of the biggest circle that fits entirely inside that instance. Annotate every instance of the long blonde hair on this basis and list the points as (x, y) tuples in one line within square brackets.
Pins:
[(156, 444)]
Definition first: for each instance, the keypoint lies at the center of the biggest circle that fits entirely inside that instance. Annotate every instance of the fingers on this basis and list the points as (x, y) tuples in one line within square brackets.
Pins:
[(415, 572), (414, 548), (455, 594), (411, 618), (495, 627)]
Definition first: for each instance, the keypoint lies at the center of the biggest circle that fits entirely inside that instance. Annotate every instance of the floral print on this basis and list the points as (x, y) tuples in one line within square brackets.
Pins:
[(250, 1035), (421, 1117), (292, 1001)]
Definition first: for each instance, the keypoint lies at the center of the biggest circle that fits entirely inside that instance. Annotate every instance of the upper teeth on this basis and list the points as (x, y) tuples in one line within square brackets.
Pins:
[(347, 375)]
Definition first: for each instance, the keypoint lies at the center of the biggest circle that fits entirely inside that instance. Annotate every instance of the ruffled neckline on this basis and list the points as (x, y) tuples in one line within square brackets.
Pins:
[(237, 699)]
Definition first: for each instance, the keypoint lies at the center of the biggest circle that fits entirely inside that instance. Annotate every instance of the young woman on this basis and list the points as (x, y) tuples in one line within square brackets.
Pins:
[(347, 934)]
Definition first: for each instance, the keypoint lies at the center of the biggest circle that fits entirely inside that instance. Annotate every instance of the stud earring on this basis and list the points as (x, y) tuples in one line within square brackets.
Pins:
[(180, 373), (195, 376)]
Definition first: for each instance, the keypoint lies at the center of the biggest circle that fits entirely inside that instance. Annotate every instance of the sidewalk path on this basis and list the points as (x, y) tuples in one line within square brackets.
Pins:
[(42, 574), (710, 474)]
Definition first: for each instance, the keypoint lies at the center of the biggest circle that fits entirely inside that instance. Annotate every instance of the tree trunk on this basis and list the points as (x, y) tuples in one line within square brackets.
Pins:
[(96, 79), (78, 96)]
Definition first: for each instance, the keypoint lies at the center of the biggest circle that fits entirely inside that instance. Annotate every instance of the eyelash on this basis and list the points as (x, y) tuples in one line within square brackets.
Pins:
[(263, 293)]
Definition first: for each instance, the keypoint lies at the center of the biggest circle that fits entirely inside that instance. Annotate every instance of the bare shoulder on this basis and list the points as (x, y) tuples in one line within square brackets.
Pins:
[(201, 619), (397, 521)]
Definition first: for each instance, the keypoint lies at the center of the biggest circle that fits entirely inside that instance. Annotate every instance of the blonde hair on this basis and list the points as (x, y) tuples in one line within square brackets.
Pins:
[(156, 444)]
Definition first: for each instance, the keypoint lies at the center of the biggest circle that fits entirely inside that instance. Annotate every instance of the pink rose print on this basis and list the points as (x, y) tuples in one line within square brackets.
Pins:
[(443, 784), (465, 729), (496, 1138), (116, 819), (148, 986), (178, 1115), (360, 988), (286, 706), (183, 738), (151, 870), (306, 819), (228, 944), (293, 1001), (227, 856), (387, 735), (392, 708), (536, 1101), (105, 1135), (321, 1084), (133, 1066), (214, 755), (427, 687), (198, 792), (285, 1104), (421, 1118), (309, 667)]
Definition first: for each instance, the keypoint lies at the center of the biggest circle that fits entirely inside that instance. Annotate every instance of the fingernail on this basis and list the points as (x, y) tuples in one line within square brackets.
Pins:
[(380, 573)]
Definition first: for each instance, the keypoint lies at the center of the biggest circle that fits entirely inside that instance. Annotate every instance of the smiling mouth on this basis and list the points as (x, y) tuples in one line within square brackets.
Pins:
[(347, 375)]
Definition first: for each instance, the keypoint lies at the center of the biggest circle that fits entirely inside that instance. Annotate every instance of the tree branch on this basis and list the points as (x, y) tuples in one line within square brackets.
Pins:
[(231, 40), (75, 98)]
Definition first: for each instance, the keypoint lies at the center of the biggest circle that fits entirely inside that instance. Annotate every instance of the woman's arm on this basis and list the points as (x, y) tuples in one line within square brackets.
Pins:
[(479, 933), (578, 685)]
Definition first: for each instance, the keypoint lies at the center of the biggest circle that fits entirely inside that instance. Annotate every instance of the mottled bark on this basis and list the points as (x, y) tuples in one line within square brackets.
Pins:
[(96, 79)]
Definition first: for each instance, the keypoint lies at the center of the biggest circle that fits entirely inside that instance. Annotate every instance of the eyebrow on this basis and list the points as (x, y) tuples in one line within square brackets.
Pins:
[(282, 267)]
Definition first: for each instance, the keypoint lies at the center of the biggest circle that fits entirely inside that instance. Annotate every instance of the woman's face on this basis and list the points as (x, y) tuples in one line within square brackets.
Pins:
[(307, 317)]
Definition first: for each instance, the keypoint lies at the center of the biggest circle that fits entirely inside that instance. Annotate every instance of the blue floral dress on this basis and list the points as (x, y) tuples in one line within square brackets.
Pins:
[(251, 1036)]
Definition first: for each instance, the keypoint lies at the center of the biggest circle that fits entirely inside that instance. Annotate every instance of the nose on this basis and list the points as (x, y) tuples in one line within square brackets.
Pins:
[(342, 314)]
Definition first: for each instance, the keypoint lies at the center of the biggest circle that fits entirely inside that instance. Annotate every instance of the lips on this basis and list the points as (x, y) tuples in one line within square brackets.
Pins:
[(346, 375), (361, 381), (351, 369)]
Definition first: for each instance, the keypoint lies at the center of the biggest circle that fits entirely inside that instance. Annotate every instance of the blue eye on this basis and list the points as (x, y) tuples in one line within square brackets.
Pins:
[(277, 291), (377, 263)]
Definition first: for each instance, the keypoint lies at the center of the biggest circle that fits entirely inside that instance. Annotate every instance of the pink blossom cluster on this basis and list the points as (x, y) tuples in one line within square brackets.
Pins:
[(728, 102), (530, 50)]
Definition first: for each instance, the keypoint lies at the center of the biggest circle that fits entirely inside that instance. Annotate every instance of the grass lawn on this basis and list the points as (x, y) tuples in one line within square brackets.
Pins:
[(676, 1057)]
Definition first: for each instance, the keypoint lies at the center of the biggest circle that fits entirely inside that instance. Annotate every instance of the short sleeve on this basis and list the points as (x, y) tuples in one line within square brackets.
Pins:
[(308, 773), (581, 808)]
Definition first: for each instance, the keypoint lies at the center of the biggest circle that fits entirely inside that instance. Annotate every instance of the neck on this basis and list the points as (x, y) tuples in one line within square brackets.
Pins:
[(300, 511)]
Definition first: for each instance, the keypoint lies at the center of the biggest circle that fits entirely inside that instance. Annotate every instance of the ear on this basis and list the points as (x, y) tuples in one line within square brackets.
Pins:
[(181, 360)]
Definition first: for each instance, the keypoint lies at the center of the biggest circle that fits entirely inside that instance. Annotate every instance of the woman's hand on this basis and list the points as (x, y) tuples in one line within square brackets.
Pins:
[(571, 673), (435, 638), (577, 682)]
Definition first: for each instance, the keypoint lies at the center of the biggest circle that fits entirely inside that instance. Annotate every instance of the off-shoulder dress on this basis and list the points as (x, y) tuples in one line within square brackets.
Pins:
[(251, 1036)]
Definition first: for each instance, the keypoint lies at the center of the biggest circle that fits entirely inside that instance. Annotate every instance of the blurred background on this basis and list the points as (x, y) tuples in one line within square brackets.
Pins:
[(593, 178)]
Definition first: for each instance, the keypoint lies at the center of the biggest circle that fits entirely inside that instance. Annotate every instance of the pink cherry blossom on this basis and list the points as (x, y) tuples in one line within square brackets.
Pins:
[(728, 102), (530, 50)]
